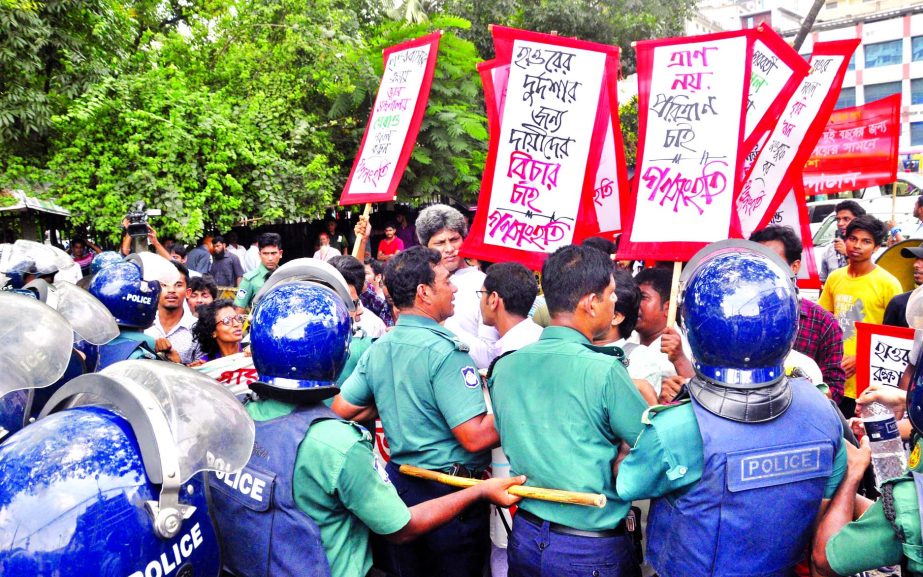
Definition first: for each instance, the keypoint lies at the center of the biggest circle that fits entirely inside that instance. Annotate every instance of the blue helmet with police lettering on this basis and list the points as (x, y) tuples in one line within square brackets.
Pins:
[(103, 260), (108, 482), (35, 350), (740, 309), (131, 298), (300, 331)]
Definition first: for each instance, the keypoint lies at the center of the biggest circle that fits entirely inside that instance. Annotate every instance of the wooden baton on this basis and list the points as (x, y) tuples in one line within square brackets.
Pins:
[(553, 495)]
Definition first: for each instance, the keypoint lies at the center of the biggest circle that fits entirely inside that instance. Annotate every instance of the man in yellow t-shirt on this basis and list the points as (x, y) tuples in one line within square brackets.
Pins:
[(858, 292)]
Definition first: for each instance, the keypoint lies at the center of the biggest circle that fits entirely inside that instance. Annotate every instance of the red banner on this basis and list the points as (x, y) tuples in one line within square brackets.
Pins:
[(785, 150), (692, 95), (857, 149), (547, 129), (394, 123)]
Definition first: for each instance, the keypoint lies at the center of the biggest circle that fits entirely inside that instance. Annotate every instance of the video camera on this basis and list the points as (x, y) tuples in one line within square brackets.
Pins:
[(137, 219)]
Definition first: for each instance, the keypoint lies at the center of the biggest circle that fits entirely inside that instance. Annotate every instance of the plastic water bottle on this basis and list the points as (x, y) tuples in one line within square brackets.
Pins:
[(888, 457)]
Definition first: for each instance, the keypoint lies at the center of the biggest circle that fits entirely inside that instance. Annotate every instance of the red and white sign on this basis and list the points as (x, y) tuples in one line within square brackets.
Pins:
[(546, 136), (691, 109), (793, 212), (857, 149), (791, 141), (882, 354), (776, 70), (235, 371), (395, 121)]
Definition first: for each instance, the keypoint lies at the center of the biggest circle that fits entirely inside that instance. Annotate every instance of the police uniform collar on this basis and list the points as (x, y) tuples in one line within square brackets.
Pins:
[(741, 405), (411, 320), (564, 334)]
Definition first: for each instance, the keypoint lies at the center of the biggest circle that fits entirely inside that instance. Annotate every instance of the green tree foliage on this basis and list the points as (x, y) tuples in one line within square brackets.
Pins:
[(219, 110), (628, 120)]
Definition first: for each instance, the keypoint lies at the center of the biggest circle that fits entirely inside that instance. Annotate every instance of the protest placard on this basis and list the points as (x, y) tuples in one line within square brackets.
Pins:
[(793, 212), (235, 371), (776, 70), (691, 108), (394, 123), (882, 354), (785, 150), (538, 184), (857, 149)]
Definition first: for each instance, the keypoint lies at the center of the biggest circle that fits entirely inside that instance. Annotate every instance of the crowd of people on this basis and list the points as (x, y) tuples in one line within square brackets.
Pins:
[(718, 441)]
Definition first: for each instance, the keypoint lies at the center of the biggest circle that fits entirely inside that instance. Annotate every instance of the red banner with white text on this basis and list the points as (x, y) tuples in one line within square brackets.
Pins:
[(394, 123), (858, 148)]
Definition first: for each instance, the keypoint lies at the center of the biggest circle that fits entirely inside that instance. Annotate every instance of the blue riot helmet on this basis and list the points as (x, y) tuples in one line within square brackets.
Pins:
[(35, 349), (309, 270), (740, 308), (108, 481), (104, 259), (125, 292), (300, 334)]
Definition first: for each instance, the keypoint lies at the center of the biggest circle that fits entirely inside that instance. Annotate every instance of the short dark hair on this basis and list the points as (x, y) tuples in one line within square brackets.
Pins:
[(378, 267), (231, 237), (203, 283), (391, 224), (79, 240), (572, 272), (182, 270), (218, 238), (269, 239), (869, 224), (351, 269), (600, 243), (628, 303), (179, 249), (784, 234), (659, 278), (852, 206), (920, 200), (515, 284), (207, 324), (408, 270)]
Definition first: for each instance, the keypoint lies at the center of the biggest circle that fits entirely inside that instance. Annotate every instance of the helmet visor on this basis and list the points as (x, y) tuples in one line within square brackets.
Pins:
[(35, 343), (89, 318)]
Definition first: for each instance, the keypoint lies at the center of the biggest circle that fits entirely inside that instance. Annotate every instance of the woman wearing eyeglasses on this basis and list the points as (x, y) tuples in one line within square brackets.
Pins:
[(219, 330)]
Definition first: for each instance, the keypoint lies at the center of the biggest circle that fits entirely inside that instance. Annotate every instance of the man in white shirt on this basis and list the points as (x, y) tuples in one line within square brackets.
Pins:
[(506, 297), (325, 252), (652, 331), (236, 249), (443, 228), (172, 328)]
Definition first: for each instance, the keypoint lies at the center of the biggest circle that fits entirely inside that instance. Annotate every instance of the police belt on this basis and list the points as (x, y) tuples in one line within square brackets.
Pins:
[(565, 530)]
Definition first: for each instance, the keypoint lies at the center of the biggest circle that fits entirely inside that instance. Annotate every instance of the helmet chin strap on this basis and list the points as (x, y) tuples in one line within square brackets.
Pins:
[(742, 405)]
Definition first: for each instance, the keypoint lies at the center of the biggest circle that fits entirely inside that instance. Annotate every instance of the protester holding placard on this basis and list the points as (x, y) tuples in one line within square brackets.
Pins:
[(859, 292)]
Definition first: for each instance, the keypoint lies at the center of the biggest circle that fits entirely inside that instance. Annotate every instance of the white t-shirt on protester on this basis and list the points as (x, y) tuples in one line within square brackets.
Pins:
[(467, 323)]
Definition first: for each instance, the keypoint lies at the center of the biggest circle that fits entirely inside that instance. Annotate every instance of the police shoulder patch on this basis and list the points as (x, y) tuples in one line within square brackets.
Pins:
[(380, 469), (241, 294), (470, 374)]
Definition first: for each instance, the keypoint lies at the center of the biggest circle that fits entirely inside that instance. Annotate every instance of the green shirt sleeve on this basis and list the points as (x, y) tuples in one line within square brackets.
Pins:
[(457, 389), (864, 544), (651, 469), (364, 488), (244, 294), (625, 403), (356, 390), (839, 469)]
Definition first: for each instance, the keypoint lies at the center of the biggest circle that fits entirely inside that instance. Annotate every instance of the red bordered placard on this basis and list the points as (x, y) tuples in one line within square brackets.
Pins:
[(879, 359), (354, 192)]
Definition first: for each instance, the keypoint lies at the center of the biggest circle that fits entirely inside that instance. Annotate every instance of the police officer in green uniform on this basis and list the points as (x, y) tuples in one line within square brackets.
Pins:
[(740, 467), (855, 535), (313, 491), (270, 247), (563, 407), (421, 381)]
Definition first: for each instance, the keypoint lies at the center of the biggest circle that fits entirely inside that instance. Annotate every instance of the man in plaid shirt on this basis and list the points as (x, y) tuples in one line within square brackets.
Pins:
[(819, 335)]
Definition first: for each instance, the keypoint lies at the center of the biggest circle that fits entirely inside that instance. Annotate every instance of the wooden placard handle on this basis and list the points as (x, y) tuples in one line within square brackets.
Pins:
[(553, 495)]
